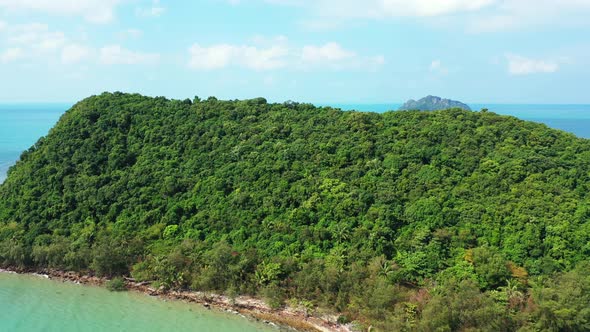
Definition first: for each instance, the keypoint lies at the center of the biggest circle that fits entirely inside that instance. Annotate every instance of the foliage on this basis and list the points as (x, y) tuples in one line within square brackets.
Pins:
[(564, 302), (397, 221), (116, 284)]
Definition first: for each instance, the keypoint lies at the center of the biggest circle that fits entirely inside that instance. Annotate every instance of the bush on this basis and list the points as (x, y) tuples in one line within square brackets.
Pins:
[(274, 296), (116, 285), (343, 319)]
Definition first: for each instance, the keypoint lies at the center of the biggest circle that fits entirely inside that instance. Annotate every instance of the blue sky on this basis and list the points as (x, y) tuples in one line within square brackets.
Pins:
[(323, 51)]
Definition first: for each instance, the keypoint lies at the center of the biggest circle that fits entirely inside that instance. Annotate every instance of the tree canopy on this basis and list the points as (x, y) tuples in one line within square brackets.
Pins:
[(400, 220)]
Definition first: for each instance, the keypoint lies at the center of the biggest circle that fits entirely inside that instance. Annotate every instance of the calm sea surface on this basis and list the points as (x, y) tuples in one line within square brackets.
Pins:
[(30, 303), (21, 125)]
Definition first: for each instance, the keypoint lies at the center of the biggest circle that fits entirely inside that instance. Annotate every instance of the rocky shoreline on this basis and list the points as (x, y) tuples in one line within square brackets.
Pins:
[(249, 307)]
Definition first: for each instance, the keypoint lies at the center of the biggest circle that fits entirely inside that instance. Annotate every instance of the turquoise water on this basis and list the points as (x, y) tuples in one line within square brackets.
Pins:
[(30, 303), (22, 124)]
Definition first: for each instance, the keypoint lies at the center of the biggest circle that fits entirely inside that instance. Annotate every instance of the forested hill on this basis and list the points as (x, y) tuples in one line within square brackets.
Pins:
[(402, 220)]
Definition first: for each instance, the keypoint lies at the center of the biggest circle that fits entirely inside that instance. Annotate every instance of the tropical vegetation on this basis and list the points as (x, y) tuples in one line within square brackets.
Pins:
[(431, 221)]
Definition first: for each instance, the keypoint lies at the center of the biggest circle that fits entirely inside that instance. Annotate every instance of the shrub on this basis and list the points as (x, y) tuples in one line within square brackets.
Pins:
[(274, 296), (116, 285)]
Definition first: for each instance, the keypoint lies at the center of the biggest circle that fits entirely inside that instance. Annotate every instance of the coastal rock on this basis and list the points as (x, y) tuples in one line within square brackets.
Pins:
[(433, 103)]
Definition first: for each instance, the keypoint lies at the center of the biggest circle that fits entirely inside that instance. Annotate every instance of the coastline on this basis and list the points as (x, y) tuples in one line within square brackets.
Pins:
[(246, 306)]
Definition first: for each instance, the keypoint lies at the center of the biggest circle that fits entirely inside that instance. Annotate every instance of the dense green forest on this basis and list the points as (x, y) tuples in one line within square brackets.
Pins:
[(430, 221)]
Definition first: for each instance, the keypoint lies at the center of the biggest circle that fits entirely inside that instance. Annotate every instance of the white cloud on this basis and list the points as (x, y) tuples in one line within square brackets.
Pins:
[(475, 15), (494, 23), (74, 53), (130, 34), (263, 59), (37, 42), (96, 11), (332, 14), (519, 65), (11, 55), (385, 8), (423, 8), (325, 53), (117, 55), (510, 15), (378, 60), (155, 10), (275, 53), (332, 55), (35, 37), (213, 57), (437, 67), (52, 41), (224, 55)]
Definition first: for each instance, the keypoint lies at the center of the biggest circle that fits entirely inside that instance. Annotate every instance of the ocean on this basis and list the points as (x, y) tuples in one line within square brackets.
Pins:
[(32, 303), (21, 125)]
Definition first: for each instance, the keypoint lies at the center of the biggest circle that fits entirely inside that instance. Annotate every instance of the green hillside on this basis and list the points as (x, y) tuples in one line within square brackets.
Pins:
[(445, 220)]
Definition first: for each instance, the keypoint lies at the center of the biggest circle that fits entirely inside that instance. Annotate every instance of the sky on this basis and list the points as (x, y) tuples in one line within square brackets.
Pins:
[(320, 51)]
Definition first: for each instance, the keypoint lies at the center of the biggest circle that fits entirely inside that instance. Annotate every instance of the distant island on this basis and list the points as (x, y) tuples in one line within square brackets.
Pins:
[(433, 103)]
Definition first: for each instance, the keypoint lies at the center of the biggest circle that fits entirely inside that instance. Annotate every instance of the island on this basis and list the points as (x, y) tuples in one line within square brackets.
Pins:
[(433, 103), (447, 220)]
